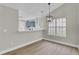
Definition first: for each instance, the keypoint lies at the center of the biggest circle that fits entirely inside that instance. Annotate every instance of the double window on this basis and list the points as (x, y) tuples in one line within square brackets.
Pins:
[(57, 27)]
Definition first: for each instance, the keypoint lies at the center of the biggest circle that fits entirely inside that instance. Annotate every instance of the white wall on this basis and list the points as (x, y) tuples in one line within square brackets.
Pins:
[(78, 24), (70, 12), (13, 38)]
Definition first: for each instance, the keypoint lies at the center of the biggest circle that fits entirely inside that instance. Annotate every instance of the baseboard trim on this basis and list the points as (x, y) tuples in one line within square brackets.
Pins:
[(63, 43), (20, 46), (26, 44)]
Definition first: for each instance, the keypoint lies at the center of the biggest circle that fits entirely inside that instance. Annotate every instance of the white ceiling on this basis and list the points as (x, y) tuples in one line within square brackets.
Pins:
[(32, 10)]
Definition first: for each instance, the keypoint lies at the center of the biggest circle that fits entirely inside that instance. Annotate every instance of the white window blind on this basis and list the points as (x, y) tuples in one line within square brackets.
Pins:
[(57, 27)]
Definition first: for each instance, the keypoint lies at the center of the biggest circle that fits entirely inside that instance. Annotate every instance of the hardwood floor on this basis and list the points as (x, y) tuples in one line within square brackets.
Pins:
[(45, 48)]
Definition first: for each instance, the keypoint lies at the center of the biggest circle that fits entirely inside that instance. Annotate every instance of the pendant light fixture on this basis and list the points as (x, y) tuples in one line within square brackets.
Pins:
[(49, 17)]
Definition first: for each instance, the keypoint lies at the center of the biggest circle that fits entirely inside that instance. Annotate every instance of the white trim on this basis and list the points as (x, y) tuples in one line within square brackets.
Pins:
[(26, 44), (67, 44), (20, 46)]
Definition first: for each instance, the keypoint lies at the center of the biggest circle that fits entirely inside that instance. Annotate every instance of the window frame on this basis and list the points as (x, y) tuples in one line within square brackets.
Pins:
[(60, 27)]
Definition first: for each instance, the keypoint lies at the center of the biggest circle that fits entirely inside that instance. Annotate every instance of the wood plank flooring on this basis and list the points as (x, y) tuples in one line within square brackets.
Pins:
[(45, 48)]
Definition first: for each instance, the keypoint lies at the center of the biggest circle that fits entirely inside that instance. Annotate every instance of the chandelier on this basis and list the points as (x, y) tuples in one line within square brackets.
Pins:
[(49, 17)]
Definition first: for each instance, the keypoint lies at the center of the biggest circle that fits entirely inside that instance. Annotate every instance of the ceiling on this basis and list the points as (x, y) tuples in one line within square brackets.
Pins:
[(32, 10)]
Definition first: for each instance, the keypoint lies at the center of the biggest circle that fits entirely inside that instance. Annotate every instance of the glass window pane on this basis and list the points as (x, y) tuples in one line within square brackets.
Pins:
[(64, 32), (58, 31), (58, 22), (58, 25), (61, 21), (53, 31), (64, 19), (53, 24), (61, 32), (52, 27), (63, 24)]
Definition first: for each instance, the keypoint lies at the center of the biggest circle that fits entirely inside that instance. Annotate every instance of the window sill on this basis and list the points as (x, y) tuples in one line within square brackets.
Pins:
[(31, 30)]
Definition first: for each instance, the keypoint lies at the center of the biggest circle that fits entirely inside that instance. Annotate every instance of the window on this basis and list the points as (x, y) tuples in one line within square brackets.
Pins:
[(30, 23), (61, 27), (26, 25), (51, 27), (57, 27)]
